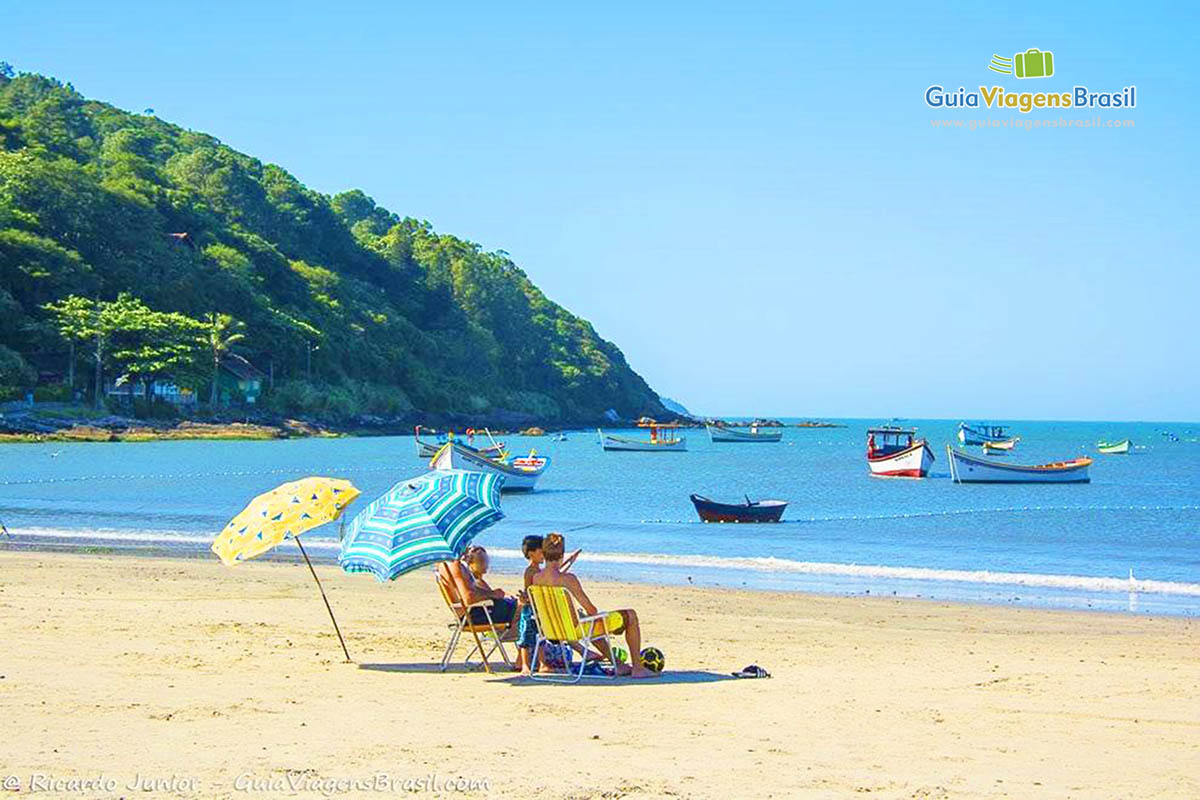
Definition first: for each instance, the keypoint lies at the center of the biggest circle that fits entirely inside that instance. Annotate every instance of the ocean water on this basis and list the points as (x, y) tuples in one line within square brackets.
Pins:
[(844, 532)]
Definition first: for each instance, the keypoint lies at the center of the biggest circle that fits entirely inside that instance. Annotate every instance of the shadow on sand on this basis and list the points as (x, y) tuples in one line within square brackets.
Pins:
[(502, 676), (670, 676), (430, 668)]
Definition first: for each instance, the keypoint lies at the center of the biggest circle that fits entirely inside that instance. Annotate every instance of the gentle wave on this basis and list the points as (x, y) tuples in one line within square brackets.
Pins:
[(768, 564), (147, 537), (753, 564)]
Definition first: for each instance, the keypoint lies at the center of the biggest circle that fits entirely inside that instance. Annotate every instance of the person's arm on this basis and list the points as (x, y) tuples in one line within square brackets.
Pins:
[(574, 587), (467, 590), (569, 560)]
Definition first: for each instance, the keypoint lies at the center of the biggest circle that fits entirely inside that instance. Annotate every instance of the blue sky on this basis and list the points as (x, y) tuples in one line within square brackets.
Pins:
[(751, 201)]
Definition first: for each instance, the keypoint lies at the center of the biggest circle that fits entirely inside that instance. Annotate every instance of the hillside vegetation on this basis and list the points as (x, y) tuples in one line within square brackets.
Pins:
[(143, 249)]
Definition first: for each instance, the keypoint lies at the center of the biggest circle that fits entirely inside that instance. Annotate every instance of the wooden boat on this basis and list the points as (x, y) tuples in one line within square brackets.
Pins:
[(517, 478), (981, 432), (1114, 448), (966, 468), (894, 452), (663, 438), (750, 511), (1001, 447), (754, 434), (427, 449)]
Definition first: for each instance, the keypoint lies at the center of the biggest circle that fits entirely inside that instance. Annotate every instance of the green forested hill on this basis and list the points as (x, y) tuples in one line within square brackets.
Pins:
[(392, 315)]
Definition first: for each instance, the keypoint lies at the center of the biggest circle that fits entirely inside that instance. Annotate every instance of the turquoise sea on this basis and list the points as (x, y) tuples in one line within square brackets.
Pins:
[(844, 532)]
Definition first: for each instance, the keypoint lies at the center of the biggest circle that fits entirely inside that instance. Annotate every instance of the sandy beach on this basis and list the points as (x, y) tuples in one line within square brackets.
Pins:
[(213, 682)]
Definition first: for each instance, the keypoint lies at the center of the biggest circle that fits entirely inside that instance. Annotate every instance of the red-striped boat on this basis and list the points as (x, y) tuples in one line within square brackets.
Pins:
[(897, 453)]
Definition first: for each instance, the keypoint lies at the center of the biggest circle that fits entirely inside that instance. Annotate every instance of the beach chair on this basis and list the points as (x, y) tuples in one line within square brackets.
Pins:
[(560, 623), (487, 636)]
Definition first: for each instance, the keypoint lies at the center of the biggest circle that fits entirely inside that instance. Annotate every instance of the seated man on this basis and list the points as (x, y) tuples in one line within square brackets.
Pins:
[(623, 621), (464, 581)]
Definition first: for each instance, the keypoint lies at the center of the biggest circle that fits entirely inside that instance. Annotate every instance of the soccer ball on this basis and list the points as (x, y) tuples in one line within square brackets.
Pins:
[(653, 659)]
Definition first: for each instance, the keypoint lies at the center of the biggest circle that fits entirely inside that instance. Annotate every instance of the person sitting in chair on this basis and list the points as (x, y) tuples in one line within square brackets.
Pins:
[(465, 582), (623, 621)]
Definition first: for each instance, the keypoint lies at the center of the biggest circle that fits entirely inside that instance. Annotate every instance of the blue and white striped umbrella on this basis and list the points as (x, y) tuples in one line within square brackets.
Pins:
[(421, 521)]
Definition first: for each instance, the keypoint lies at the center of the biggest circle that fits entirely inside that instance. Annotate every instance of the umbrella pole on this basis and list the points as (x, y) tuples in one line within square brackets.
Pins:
[(323, 597)]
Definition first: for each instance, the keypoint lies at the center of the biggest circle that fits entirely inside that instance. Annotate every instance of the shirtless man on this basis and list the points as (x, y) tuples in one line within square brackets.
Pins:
[(464, 579), (553, 574)]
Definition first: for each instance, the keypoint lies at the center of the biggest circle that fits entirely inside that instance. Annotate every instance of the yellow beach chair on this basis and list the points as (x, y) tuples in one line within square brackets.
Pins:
[(560, 623), (486, 636)]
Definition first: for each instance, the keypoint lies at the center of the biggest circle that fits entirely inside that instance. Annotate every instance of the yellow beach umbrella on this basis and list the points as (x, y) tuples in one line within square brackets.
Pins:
[(284, 513)]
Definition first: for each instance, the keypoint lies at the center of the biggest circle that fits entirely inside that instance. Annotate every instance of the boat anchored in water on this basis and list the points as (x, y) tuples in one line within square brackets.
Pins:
[(720, 433), (966, 468), (894, 452), (520, 474), (1114, 448), (980, 432), (750, 511), (1000, 448), (427, 449), (663, 438)]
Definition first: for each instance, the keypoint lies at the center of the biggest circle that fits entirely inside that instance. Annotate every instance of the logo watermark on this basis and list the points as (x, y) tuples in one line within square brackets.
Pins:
[(273, 784), (1032, 63)]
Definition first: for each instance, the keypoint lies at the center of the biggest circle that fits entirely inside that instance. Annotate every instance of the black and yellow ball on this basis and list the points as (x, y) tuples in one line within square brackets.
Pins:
[(653, 659)]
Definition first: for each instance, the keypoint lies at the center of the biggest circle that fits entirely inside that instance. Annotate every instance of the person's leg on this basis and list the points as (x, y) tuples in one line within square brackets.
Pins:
[(600, 644), (633, 637)]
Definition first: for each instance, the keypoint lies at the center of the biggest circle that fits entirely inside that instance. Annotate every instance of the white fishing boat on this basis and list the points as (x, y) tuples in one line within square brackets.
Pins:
[(896, 453), (1114, 448), (663, 438), (966, 468), (520, 475), (719, 433)]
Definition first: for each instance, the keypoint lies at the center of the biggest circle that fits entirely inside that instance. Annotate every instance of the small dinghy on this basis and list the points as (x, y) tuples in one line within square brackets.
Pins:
[(750, 511)]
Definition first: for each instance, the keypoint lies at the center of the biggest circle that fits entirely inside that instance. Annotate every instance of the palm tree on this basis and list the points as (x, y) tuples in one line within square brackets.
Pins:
[(221, 333)]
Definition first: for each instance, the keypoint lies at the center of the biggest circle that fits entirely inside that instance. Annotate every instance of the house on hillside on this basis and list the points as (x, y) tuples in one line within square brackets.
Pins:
[(125, 389), (239, 381)]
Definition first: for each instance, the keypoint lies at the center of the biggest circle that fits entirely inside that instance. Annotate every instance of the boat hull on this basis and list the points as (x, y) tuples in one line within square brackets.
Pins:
[(913, 462), (966, 468), (762, 511), (455, 456), (1114, 448), (734, 435), (621, 444)]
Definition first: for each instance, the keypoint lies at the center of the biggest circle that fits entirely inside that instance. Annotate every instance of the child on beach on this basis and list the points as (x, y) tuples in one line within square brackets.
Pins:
[(531, 547)]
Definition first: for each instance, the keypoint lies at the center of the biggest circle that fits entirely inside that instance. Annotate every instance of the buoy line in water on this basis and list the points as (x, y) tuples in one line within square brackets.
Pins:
[(175, 476), (946, 513)]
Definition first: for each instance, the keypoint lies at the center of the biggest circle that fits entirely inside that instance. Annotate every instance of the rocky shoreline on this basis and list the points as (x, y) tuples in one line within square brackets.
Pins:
[(72, 423)]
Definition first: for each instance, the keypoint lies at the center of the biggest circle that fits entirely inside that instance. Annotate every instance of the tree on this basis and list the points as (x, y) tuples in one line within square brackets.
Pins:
[(128, 334), (153, 344), (221, 333), (78, 321)]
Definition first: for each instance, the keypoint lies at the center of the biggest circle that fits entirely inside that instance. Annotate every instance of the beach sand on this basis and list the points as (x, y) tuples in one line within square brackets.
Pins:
[(223, 682)]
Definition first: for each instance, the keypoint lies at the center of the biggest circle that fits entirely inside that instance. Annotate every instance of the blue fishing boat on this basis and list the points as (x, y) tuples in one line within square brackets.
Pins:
[(980, 433)]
